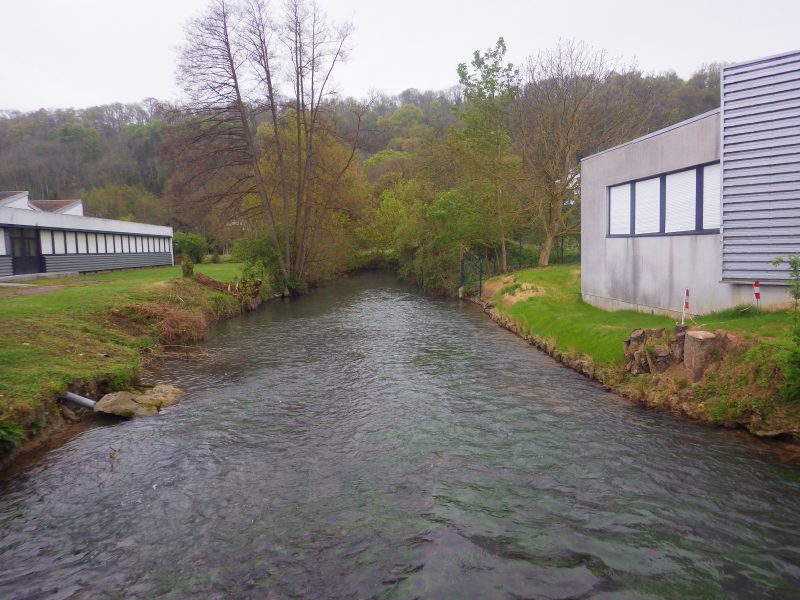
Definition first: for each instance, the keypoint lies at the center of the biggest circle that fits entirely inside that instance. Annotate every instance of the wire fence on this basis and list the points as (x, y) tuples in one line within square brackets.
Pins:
[(478, 266)]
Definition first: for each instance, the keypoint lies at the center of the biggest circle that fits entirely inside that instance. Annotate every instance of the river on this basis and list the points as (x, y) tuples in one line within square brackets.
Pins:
[(367, 441)]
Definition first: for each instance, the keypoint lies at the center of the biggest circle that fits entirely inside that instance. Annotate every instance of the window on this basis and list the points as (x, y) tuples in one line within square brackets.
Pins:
[(712, 184), (648, 206), (619, 220), (81, 242), (58, 242), (46, 240), (118, 244), (72, 243), (681, 201), (92, 241)]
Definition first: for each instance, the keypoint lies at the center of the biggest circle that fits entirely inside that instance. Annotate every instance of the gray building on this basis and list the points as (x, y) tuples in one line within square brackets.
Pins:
[(54, 237), (704, 205)]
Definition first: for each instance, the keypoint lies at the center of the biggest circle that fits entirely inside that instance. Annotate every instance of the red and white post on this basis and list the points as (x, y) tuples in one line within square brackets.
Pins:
[(685, 305), (757, 291)]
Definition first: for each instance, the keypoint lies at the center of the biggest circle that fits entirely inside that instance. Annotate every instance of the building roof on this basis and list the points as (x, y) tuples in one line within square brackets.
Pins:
[(655, 133), (53, 205), (20, 217), (4, 195), (9, 197)]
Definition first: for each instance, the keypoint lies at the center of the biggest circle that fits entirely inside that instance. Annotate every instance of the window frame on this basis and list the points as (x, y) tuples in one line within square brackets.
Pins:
[(699, 229)]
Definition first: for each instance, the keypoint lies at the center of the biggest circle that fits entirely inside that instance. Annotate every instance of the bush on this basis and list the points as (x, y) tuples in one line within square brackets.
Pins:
[(11, 436), (190, 244), (789, 364), (789, 359), (187, 266)]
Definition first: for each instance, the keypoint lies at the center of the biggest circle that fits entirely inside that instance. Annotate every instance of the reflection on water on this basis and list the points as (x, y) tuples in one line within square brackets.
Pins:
[(366, 441)]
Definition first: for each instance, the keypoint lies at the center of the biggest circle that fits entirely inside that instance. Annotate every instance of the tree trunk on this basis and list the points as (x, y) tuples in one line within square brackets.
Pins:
[(544, 251), (501, 230)]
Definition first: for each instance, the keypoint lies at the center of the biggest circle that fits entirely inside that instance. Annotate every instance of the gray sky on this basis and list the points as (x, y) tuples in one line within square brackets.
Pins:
[(78, 53)]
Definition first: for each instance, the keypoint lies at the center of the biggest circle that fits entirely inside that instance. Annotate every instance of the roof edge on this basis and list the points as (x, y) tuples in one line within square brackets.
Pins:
[(658, 132), (752, 61)]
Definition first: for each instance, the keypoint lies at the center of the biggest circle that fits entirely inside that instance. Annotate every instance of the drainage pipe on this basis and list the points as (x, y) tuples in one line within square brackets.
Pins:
[(79, 400)]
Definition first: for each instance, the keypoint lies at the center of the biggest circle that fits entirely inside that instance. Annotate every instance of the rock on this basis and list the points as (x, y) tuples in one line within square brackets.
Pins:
[(698, 350), (123, 404), (638, 336), (660, 359), (160, 396)]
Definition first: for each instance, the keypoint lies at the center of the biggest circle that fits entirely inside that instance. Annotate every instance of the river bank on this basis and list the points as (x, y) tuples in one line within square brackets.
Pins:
[(89, 335), (739, 388)]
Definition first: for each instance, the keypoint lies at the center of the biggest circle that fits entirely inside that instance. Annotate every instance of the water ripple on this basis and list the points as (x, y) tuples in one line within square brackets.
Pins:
[(366, 441)]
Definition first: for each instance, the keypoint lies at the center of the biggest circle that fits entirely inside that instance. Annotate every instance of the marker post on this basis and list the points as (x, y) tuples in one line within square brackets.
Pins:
[(685, 306), (757, 292)]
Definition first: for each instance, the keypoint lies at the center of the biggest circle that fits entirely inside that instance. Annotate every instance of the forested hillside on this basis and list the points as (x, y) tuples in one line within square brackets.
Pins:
[(309, 186)]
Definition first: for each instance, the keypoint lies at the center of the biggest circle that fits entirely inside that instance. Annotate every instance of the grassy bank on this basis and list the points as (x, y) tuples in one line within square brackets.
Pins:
[(89, 331), (740, 389)]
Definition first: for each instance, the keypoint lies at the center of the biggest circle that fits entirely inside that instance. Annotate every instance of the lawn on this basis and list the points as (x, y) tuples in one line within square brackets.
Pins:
[(559, 313), (67, 329)]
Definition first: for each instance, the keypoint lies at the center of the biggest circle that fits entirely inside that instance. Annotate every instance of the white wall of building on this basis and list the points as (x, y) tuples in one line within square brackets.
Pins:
[(649, 273)]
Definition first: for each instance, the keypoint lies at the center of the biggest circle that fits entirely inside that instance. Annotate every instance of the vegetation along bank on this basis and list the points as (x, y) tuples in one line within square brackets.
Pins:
[(744, 380), (89, 335)]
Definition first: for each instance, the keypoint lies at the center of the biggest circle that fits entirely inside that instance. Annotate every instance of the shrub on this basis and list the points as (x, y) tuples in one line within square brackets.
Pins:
[(187, 266), (789, 359), (190, 244), (11, 436)]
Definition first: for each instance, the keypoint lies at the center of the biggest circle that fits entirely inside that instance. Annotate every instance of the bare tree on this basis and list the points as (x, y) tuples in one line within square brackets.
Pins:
[(246, 131), (572, 103)]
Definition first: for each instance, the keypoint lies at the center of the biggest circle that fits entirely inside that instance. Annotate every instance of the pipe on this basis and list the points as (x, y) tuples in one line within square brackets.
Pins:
[(79, 400)]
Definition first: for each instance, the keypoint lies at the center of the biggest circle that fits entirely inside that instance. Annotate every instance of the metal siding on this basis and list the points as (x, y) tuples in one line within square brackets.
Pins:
[(760, 167), (6, 267), (102, 262)]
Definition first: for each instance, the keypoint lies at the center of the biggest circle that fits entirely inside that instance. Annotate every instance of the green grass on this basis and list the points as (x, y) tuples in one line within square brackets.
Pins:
[(66, 331), (559, 313)]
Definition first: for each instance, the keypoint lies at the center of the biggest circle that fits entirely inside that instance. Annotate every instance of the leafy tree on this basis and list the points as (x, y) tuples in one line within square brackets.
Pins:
[(490, 86), (571, 104), (191, 245), (125, 202), (234, 61)]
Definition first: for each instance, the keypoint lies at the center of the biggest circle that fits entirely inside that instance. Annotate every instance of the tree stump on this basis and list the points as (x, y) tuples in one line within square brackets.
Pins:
[(698, 350)]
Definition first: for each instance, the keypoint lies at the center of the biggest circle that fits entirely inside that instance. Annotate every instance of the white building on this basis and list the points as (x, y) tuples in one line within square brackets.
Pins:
[(704, 205), (47, 236)]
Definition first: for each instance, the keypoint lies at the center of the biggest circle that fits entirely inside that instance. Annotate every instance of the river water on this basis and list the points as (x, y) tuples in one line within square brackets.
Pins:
[(366, 441)]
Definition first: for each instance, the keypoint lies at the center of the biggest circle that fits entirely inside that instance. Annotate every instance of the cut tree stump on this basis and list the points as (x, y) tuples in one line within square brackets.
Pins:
[(698, 350)]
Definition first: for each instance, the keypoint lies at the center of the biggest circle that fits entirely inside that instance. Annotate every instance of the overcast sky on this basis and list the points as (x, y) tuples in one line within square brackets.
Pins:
[(79, 53)]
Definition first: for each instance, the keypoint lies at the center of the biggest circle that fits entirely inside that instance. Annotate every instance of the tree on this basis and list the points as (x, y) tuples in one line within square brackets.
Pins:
[(231, 68), (490, 86), (572, 103)]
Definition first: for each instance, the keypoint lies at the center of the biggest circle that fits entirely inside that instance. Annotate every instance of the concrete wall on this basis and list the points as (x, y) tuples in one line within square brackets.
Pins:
[(650, 273)]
